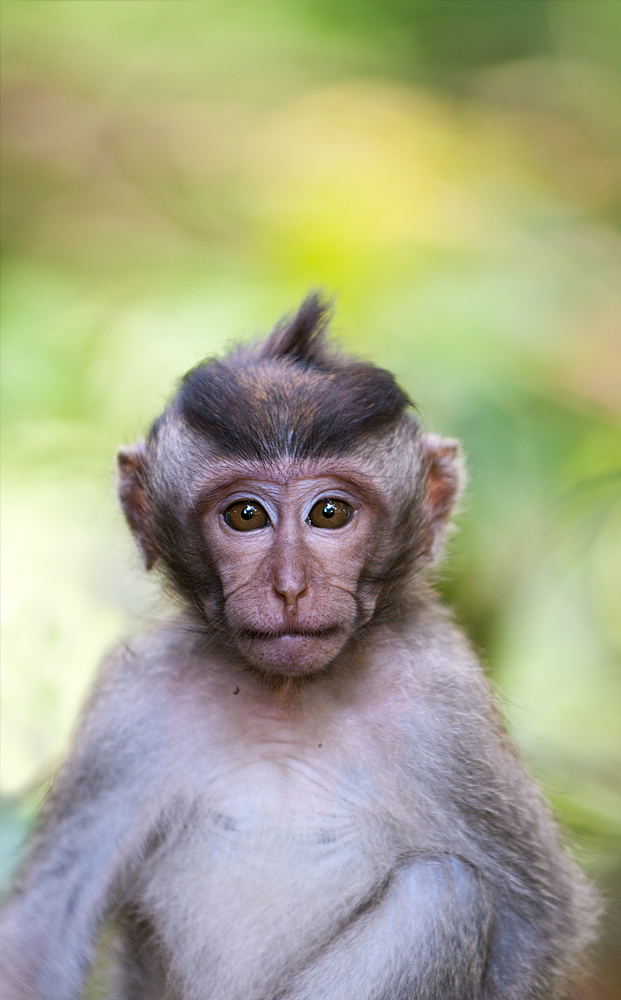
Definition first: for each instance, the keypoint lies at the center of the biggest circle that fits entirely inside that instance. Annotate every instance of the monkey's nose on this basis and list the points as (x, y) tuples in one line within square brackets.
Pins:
[(289, 583)]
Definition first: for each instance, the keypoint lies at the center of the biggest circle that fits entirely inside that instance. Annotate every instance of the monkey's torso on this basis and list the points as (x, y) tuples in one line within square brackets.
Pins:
[(285, 831), (278, 827), (280, 848)]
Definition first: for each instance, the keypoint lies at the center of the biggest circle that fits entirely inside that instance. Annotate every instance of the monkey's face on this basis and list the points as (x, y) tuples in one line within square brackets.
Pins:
[(290, 547)]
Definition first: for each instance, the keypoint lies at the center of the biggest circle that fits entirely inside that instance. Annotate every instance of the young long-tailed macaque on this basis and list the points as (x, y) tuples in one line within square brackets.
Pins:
[(298, 789)]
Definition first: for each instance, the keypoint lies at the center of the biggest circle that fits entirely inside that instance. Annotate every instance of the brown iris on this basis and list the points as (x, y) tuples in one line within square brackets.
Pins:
[(246, 515), (329, 514)]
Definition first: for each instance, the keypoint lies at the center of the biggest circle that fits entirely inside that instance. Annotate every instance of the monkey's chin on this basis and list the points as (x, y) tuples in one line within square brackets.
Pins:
[(292, 653)]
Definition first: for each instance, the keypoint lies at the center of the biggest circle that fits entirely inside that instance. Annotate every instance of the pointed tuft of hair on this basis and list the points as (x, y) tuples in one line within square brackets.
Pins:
[(302, 338), (291, 395)]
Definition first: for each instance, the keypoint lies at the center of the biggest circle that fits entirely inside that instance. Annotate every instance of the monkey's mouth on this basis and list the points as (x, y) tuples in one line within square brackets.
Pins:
[(306, 633), (291, 650)]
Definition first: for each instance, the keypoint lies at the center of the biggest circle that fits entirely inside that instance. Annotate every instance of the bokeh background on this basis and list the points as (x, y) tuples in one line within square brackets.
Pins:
[(178, 174)]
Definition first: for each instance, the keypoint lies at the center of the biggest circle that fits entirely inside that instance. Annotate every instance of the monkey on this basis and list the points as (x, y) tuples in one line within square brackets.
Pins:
[(299, 787)]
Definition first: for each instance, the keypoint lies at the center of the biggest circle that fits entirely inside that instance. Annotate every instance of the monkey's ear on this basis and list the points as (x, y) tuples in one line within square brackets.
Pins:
[(444, 480), (132, 464)]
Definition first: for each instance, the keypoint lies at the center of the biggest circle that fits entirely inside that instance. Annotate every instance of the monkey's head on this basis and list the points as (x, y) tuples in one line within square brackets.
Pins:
[(289, 496)]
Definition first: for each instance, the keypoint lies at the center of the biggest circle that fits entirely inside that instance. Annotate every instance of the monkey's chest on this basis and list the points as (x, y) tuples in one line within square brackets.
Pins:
[(285, 818), (274, 855)]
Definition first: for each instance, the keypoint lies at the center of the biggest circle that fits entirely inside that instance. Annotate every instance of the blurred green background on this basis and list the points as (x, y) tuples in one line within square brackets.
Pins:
[(178, 173)]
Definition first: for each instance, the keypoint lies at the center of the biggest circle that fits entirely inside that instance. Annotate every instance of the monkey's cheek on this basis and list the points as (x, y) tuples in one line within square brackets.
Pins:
[(292, 655)]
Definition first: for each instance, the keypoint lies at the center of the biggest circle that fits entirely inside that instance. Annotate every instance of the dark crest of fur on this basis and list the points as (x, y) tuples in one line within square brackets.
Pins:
[(290, 395)]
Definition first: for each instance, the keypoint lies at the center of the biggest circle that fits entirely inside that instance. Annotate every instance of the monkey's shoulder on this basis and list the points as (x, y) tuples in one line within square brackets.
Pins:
[(147, 660), (130, 697)]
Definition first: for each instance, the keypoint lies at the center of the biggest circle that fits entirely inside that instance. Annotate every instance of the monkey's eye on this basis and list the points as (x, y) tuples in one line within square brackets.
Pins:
[(246, 515), (329, 514)]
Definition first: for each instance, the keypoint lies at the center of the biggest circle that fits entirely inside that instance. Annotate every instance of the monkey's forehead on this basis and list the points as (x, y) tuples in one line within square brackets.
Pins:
[(272, 410), (382, 466)]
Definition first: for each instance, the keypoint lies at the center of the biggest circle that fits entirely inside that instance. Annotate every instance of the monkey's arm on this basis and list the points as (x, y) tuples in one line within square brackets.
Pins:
[(88, 842), (425, 938)]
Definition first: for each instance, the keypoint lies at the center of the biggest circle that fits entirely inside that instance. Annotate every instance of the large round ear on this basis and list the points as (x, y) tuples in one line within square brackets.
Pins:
[(444, 473), (132, 462)]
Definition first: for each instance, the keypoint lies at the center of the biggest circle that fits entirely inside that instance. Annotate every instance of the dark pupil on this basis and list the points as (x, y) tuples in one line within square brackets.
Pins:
[(329, 510), (248, 513)]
